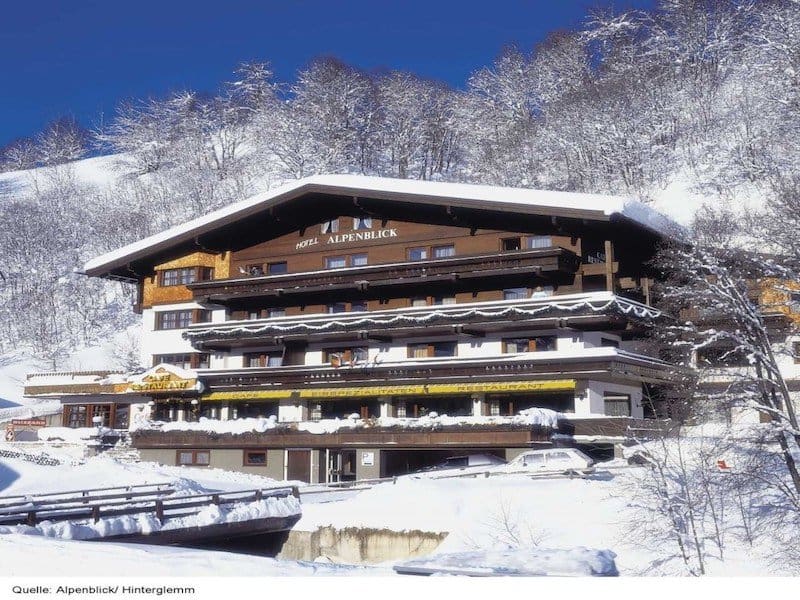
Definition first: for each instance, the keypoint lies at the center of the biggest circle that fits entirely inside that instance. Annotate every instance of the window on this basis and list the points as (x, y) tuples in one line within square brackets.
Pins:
[(181, 319), (276, 312), (539, 241), (438, 300), (335, 262), (419, 253), (255, 458), (330, 226), (173, 319), (263, 359), (253, 314), (441, 349), (121, 413), (358, 260), (420, 301), (185, 361), (443, 251), (617, 405), (177, 277), (358, 306), (337, 307), (338, 357), (433, 349), (362, 223), (515, 294), (721, 356), (194, 458), (418, 351), (509, 244), (104, 412), (254, 270), (184, 276), (277, 268), (76, 417), (539, 343)]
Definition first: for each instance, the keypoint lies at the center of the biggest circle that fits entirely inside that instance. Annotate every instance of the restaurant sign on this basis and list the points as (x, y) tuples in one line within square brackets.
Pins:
[(165, 379), (554, 385)]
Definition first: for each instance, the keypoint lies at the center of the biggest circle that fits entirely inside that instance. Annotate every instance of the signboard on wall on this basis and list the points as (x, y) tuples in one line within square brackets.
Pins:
[(549, 385), (367, 459)]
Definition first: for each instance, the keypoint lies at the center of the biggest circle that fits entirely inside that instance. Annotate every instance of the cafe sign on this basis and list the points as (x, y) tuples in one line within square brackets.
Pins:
[(166, 379)]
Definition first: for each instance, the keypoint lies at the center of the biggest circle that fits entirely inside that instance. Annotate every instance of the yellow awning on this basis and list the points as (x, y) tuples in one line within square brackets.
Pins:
[(552, 385)]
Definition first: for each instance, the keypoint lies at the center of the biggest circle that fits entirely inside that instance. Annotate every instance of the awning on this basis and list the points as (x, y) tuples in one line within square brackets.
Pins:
[(554, 385)]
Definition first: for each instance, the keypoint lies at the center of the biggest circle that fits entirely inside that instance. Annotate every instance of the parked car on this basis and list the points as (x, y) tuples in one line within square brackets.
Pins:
[(470, 463), (552, 460)]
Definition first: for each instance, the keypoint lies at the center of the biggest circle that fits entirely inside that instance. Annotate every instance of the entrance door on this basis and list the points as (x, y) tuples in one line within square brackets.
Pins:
[(341, 465), (298, 465)]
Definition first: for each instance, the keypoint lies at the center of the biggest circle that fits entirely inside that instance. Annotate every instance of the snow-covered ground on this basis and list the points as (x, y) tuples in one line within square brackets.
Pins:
[(496, 515)]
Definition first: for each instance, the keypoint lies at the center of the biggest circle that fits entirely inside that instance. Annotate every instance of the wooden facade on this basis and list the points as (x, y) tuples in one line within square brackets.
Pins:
[(323, 300)]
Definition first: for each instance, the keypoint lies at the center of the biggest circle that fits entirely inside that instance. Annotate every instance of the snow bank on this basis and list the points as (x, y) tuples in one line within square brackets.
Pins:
[(529, 417), (70, 434), (576, 562), (25, 556)]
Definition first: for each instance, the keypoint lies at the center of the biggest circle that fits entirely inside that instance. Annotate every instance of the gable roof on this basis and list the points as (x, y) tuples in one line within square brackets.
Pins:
[(486, 197)]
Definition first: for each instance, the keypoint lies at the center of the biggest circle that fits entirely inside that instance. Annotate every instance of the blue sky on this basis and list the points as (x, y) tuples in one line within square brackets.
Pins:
[(82, 57)]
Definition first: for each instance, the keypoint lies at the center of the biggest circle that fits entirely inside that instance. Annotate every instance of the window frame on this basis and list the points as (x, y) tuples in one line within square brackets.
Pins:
[(525, 293), (246, 462), (263, 359), (343, 258), (194, 452), (423, 249), (504, 243), (537, 242), (451, 251), (347, 354), (332, 226), (532, 344), (617, 399), (195, 315), (431, 349), (281, 264), (193, 274), (195, 360), (362, 223)]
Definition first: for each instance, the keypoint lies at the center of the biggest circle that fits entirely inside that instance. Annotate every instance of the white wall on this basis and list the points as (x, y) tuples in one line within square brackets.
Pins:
[(169, 341)]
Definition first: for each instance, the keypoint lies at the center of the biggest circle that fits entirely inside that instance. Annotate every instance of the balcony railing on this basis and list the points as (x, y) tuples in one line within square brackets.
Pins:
[(470, 318), (545, 365), (555, 262)]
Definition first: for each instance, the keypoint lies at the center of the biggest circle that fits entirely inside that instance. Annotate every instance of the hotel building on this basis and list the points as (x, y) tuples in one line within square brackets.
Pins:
[(431, 319)]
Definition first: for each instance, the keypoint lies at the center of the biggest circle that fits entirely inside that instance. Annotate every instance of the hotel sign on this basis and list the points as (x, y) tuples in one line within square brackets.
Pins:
[(342, 238), (557, 385)]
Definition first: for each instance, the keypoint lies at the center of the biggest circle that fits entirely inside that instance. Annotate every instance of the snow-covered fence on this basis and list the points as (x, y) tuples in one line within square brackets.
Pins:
[(87, 507), (39, 459), (11, 505)]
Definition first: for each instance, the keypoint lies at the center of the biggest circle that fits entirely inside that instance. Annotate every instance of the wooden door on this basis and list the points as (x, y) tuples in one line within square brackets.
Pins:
[(298, 465)]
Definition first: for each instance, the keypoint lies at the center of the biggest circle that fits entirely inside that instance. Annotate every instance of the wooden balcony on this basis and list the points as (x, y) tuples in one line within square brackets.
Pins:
[(554, 265), (606, 365), (597, 310)]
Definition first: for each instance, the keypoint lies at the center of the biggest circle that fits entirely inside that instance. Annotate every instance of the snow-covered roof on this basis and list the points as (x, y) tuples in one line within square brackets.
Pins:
[(523, 200)]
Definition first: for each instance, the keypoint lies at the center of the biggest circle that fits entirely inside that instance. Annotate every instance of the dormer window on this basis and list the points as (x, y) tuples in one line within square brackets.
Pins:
[(186, 275), (330, 226), (362, 223)]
